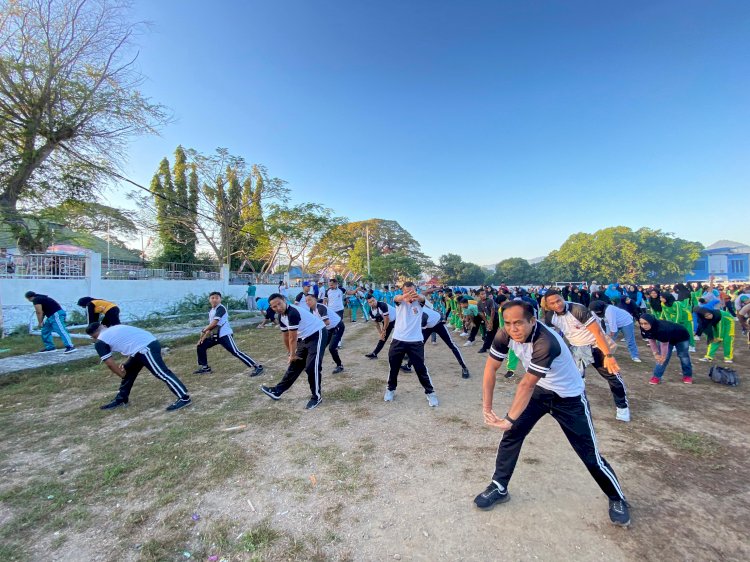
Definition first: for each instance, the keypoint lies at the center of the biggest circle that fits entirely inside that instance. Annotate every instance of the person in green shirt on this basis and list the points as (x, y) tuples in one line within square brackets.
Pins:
[(251, 288), (472, 320)]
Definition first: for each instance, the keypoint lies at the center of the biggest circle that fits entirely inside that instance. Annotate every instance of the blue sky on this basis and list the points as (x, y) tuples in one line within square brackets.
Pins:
[(488, 129)]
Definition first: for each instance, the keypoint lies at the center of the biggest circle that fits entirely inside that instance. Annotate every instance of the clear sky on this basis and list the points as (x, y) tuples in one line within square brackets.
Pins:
[(490, 129)]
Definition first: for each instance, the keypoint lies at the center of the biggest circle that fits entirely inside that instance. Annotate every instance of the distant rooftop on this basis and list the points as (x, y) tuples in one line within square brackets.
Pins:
[(733, 247)]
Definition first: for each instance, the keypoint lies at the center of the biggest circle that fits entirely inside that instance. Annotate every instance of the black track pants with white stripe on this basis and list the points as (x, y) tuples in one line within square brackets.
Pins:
[(414, 350), (308, 358), (150, 358), (228, 343), (440, 330), (616, 384), (334, 339), (574, 417)]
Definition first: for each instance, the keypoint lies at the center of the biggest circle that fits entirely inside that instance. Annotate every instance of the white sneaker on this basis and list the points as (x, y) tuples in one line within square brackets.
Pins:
[(432, 399), (725, 360), (389, 394), (463, 334), (705, 359), (636, 360), (623, 414), (691, 349), (468, 343)]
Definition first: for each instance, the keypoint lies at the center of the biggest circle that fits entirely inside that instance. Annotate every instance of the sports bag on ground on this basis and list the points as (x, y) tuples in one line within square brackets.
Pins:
[(724, 375)]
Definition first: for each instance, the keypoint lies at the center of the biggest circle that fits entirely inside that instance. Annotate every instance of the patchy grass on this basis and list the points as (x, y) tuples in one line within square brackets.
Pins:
[(695, 444)]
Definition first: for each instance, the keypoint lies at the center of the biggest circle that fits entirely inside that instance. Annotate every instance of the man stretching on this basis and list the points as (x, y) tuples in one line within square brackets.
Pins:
[(407, 341), (304, 338), (552, 385), (334, 325), (383, 314), (219, 332), (581, 328)]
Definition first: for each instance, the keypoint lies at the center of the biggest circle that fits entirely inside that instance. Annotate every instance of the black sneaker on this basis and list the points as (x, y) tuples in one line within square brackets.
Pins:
[(406, 368), (371, 356), (116, 403), (45, 350), (313, 403), (482, 350), (270, 392), (202, 370), (181, 403), (619, 513), (70, 350), (509, 374), (465, 373), (492, 495), (257, 371), (338, 369)]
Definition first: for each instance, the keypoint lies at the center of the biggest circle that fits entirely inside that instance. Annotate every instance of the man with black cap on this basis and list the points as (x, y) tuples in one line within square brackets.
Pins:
[(143, 350)]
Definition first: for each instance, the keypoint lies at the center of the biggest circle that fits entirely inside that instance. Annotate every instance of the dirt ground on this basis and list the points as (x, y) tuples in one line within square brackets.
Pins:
[(360, 479)]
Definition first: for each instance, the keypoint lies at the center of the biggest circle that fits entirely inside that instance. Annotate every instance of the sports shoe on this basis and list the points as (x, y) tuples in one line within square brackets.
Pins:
[(313, 403), (464, 334), (354, 321), (45, 350), (491, 496), (257, 371), (468, 343), (636, 360), (338, 369), (691, 349), (481, 350), (725, 360), (116, 403), (619, 513), (706, 359), (687, 380), (202, 370), (406, 368), (510, 374), (623, 414), (371, 356), (70, 350), (465, 373), (177, 404), (270, 392), (434, 343), (389, 395), (432, 399), (654, 380)]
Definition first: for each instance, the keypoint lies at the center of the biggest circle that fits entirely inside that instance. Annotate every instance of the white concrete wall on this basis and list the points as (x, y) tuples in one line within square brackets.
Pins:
[(136, 298)]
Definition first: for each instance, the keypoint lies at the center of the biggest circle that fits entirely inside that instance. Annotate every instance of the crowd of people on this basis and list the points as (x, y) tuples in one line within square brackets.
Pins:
[(554, 333)]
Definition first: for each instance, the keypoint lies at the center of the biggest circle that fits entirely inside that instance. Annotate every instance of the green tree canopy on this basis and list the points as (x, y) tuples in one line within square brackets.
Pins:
[(514, 271)]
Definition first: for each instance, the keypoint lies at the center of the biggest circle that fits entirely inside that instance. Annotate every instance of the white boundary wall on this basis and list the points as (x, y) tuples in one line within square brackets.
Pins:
[(136, 298)]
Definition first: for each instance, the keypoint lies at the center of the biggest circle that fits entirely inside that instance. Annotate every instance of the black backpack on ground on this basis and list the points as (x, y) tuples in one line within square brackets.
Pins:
[(724, 375)]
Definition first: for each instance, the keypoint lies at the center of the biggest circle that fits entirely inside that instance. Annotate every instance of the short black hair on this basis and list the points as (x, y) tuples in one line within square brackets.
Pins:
[(333, 280), (528, 310), (92, 328), (408, 284), (597, 307), (30, 294), (276, 296), (552, 292), (212, 293)]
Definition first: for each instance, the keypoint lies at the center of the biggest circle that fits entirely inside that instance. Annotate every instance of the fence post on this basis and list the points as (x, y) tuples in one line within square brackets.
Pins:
[(94, 273)]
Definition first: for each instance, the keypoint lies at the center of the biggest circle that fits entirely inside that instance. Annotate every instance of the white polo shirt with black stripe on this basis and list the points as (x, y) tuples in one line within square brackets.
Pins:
[(321, 311), (543, 354), (408, 322), (220, 313), (335, 298), (127, 340), (300, 319), (430, 317), (382, 310), (573, 322)]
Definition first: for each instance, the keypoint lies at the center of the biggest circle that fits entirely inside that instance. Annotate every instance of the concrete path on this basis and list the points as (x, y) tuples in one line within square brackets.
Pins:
[(19, 363)]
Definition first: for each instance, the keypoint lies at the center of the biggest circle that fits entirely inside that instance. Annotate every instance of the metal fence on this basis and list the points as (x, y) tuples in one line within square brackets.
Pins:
[(43, 266), (116, 269)]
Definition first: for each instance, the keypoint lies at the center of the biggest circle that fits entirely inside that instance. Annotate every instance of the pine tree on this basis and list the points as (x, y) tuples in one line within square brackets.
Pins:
[(167, 225), (184, 232), (192, 241)]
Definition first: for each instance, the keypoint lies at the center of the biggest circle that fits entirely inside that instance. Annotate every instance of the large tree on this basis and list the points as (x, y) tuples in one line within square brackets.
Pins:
[(69, 96), (514, 271)]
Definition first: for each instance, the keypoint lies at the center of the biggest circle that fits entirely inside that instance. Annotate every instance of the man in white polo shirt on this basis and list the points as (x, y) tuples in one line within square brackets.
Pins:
[(384, 315), (552, 385), (334, 326), (142, 350), (408, 341), (304, 338), (589, 347)]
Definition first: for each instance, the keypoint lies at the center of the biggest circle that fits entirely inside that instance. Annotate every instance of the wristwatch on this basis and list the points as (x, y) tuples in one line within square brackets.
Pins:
[(509, 419)]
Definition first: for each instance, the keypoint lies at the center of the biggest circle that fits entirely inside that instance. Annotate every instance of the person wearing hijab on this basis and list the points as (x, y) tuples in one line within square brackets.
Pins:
[(654, 302), (662, 336), (674, 311), (617, 320), (614, 294), (718, 326), (632, 300)]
